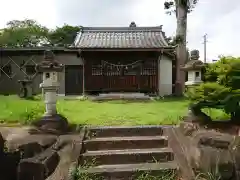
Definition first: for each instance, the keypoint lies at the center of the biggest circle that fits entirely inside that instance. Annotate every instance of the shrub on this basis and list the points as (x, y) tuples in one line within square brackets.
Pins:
[(210, 91), (221, 83)]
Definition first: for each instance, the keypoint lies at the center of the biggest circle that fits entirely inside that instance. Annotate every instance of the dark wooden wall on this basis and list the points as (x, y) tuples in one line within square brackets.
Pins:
[(73, 79), (14, 59), (101, 74)]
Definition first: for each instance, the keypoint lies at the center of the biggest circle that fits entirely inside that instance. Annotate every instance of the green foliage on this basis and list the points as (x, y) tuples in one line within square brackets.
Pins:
[(29, 33), (64, 35), (221, 88), (170, 5), (221, 79), (165, 175), (226, 72), (210, 91), (80, 173), (31, 114)]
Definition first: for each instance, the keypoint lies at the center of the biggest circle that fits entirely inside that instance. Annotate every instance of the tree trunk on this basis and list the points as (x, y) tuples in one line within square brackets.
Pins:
[(181, 50)]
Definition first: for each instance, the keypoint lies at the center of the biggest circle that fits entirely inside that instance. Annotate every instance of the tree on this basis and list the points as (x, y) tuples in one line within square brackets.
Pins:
[(29, 33), (64, 35), (181, 8), (26, 33)]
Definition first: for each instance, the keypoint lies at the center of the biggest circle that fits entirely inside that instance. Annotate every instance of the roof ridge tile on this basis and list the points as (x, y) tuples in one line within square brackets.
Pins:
[(121, 37)]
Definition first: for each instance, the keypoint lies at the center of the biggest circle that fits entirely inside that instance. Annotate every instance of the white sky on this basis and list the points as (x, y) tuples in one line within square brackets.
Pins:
[(219, 19)]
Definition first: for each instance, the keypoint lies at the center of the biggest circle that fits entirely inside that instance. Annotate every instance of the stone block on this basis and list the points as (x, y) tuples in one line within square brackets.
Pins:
[(55, 124), (188, 127), (29, 150), (211, 152), (44, 141), (38, 167), (69, 149), (215, 142), (210, 159), (2, 143)]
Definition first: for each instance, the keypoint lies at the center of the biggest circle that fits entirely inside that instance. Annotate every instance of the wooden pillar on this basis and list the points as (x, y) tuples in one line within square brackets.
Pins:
[(103, 76), (83, 76), (83, 71), (138, 75), (158, 71)]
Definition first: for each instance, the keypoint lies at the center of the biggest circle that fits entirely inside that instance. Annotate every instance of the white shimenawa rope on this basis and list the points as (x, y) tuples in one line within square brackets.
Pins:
[(122, 65)]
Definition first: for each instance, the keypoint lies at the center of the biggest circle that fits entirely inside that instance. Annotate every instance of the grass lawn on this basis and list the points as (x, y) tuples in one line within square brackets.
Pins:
[(16, 110)]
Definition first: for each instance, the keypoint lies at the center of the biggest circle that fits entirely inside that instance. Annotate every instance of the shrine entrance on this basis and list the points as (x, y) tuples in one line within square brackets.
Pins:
[(121, 75)]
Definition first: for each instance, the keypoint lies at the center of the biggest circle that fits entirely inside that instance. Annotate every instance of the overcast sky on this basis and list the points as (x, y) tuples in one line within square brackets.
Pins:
[(218, 18)]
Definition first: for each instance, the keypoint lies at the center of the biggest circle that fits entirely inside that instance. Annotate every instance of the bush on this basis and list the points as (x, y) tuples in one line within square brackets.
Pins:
[(221, 78), (210, 91), (221, 83)]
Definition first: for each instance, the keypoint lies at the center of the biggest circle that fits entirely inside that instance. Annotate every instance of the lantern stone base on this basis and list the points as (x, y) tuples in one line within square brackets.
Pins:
[(55, 124), (189, 83)]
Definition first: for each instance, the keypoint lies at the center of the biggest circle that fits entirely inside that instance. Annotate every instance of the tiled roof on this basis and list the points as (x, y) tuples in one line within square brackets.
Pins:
[(121, 37), (193, 65)]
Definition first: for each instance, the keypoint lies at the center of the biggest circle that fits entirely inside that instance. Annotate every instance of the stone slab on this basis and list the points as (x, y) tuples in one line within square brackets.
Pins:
[(38, 167), (132, 142), (129, 156), (44, 141), (125, 171), (117, 131), (69, 148)]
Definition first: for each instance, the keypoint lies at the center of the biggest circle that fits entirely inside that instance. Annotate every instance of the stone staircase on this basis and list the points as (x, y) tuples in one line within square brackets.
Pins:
[(120, 152)]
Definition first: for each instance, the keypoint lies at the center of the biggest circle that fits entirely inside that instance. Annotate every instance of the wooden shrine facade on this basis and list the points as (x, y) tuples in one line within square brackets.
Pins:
[(124, 59), (127, 71)]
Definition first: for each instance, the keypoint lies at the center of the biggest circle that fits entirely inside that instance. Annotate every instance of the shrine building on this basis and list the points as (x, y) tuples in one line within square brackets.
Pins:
[(101, 60)]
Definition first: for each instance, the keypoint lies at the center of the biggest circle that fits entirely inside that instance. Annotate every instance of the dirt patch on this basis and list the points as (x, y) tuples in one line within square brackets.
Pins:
[(10, 133)]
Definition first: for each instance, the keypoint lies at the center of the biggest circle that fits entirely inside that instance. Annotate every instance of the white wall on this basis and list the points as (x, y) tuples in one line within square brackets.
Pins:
[(192, 79), (191, 76), (165, 76)]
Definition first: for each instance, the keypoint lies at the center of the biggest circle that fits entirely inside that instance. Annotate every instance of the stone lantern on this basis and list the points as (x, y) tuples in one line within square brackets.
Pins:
[(194, 69), (50, 68), (26, 88)]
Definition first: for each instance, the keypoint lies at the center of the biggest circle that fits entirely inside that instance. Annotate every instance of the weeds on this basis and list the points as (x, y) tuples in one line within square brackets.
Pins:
[(165, 175), (208, 176), (81, 173), (31, 114)]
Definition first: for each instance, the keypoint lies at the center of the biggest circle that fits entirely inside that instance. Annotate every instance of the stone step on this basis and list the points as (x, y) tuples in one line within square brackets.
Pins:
[(116, 98), (132, 142), (126, 171), (128, 156), (120, 131), (123, 94)]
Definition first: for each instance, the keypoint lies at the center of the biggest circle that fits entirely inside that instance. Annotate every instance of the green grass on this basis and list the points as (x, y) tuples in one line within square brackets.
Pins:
[(170, 111)]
